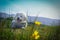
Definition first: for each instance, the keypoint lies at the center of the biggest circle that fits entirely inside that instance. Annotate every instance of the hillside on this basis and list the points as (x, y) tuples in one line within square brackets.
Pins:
[(45, 21)]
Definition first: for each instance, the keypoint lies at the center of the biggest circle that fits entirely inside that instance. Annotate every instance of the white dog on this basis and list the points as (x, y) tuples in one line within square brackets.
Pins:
[(19, 21)]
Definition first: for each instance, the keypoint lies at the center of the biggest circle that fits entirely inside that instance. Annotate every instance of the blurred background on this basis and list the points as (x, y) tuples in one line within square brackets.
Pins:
[(42, 15)]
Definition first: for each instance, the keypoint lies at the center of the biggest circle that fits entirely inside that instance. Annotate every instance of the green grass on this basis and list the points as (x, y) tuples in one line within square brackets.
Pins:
[(45, 32)]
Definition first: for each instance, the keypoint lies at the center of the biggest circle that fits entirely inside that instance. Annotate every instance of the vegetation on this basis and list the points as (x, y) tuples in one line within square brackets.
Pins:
[(32, 32)]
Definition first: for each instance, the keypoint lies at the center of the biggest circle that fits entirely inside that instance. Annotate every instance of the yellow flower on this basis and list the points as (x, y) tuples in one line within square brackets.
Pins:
[(36, 37), (35, 32), (37, 23)]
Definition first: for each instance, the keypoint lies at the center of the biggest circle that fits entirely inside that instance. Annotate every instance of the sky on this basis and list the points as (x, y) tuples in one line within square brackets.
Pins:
[(42, 8)]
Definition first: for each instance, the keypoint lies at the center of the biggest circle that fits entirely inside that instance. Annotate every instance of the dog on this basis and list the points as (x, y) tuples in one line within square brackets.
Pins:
[(19, 21)]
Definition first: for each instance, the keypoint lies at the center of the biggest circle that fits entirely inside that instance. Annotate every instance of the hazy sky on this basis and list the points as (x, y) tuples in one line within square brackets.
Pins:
[(44, 8)]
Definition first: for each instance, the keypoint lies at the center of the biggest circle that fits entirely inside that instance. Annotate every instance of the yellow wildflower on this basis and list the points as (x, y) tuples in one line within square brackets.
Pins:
[(37, 23), (35, 33), (36, 37)]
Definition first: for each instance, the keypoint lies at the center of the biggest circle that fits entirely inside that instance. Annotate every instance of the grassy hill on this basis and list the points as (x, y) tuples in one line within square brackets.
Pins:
[(45, 32)]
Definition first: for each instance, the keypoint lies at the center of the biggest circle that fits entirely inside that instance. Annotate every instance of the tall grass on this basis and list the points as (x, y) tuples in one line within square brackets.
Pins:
[(45, 32)]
